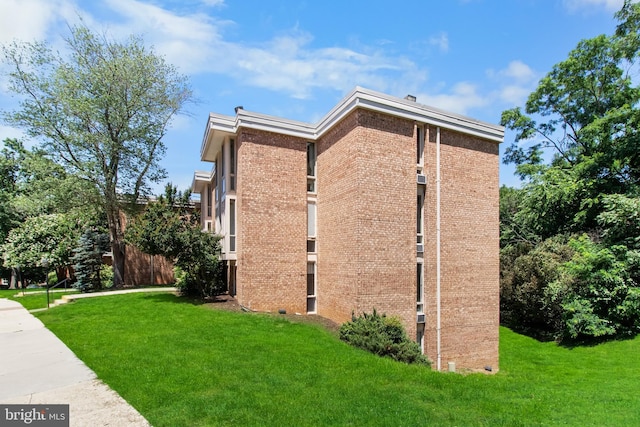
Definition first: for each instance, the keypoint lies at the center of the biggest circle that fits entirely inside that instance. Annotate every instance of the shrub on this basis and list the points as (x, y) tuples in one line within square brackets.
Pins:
[(382, 335), (179, 274), (106, 276)]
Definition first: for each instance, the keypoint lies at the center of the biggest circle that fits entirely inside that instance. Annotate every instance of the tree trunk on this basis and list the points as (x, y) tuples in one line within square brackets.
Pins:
[(61, 274), (117, 247), (13, 282)]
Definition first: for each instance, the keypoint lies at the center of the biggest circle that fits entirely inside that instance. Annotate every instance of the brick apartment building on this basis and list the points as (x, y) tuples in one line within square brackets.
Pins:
[(385, 203)]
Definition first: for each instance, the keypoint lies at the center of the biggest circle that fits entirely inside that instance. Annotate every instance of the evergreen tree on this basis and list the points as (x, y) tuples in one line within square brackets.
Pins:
[(88, 258)]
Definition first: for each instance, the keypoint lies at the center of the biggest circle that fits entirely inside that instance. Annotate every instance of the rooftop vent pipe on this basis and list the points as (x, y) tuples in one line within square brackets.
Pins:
[(410, 98)]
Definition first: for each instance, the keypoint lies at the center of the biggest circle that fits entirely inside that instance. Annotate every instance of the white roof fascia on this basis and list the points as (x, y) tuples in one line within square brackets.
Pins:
[(200, 177), (365, 98), (357, 98), (216, 122), (278, 125)]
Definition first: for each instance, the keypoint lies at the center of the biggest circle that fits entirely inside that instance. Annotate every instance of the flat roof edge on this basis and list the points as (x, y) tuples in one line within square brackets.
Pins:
[(358, 98)]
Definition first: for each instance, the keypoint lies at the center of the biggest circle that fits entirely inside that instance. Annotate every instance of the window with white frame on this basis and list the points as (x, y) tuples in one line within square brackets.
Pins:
[(420, 336), (311, 219), (419, 288), (232, 225), (311, 287), (232, 164), (311, 167), (420, 216), (420, 146)]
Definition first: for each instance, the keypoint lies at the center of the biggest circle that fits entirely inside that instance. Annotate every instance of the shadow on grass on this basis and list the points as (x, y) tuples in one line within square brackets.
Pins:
[(186, 299), (593, 342), (545, 336)]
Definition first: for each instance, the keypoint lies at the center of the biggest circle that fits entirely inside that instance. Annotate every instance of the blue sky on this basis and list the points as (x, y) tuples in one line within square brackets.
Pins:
[(297, 59)]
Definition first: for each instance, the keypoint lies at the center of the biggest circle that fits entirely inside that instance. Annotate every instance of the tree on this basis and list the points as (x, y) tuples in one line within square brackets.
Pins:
[(41, 241), (170, 227), (8, 216), (577, 274), (103, 112), (87, 258), (588, 114)]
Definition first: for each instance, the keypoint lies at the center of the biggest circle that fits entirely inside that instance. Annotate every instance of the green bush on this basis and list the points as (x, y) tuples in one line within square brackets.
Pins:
[(106, 276), (179, 274), (382, 335)]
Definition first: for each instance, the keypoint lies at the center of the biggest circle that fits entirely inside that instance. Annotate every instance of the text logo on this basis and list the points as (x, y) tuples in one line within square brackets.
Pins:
[(34, 415)]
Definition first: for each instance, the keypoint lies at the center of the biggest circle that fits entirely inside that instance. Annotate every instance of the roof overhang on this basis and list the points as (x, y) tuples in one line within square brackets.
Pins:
[(220, 126), (200, 181)]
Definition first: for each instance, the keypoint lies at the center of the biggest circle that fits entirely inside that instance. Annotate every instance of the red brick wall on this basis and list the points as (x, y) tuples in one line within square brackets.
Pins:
[(366, 217), (469, 250), (271, 200), (366, 201)]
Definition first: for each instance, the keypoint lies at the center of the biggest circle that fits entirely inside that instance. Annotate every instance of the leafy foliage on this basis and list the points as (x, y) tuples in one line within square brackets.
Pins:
[(382, 335), (102, 111), (570, 237), (42, 239), (171, 228)]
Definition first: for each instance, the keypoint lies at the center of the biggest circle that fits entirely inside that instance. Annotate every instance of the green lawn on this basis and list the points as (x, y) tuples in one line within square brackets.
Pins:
[(182, 364)]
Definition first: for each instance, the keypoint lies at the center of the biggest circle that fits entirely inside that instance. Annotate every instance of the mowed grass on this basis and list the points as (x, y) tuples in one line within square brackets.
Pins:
[(183, 364), (34, 298)]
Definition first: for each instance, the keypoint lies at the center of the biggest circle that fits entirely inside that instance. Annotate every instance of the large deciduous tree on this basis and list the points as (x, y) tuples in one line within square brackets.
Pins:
[(586, 112), (570, 237), (101, 111)]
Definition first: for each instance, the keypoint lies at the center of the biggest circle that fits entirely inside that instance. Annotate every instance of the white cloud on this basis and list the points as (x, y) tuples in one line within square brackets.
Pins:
[(26, 20), (515, 82), (286, 63), (441, 41), (463, 97), (519, 71), (575, 5)]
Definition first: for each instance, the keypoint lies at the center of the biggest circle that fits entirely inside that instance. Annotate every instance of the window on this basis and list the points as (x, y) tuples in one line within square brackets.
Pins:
[(232, 225), (311, 245), (311, 167), (311, 219), (420, 216), (232, 165), (223, 181), (419, 144), (311, 287), (208, 195), (420, 336), (419, 289)]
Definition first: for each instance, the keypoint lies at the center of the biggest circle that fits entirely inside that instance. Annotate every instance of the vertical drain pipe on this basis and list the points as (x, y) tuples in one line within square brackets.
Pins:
[(438, 325)]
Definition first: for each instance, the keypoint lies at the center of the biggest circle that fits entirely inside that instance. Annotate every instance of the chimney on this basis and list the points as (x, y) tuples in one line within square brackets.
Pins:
[(239, 107)]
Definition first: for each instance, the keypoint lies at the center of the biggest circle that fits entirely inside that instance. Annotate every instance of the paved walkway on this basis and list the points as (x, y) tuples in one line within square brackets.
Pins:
[(37, 368)]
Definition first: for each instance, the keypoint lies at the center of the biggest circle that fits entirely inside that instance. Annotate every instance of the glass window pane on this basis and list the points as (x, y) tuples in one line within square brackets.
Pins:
[(232, 217), (311, 246), (311, 159), (311, 219)]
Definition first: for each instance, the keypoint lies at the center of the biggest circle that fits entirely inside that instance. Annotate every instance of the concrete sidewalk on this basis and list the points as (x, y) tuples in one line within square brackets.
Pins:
[(37, 368)]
